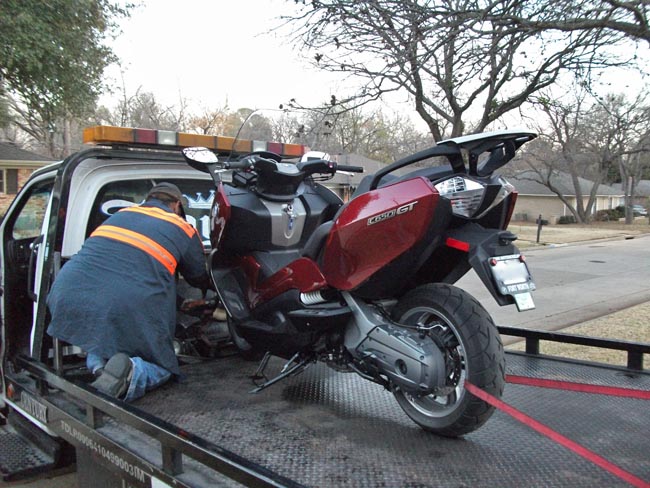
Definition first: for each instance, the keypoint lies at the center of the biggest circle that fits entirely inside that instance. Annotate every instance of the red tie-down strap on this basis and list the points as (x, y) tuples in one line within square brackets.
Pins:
[(557, 437), (581, 387)]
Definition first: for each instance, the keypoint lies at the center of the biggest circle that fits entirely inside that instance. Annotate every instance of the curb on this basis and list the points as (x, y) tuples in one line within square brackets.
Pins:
[(554, 245)]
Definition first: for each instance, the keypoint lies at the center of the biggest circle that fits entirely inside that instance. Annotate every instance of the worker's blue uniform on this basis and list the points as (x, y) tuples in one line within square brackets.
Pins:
[(118, 293)]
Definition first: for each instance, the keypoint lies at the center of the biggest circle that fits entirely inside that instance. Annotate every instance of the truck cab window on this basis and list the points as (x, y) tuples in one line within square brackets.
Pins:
[(124, 193), (30, 218)]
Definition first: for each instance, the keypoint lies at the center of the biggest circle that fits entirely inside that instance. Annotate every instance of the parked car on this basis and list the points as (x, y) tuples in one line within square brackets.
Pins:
[(639, 210)]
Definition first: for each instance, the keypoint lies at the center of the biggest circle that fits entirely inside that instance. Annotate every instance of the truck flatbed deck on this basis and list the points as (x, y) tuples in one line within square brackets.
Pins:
[(324, 428)]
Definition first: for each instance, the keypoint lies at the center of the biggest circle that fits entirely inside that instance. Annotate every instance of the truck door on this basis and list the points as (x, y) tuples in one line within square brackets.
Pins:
[(22, 232)]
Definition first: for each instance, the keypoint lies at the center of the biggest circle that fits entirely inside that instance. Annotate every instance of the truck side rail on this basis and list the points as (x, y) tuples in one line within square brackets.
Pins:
[(635, 350), (174, 442)]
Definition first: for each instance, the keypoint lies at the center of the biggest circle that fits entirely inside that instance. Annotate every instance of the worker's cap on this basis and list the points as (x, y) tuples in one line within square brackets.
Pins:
[(168, 189)]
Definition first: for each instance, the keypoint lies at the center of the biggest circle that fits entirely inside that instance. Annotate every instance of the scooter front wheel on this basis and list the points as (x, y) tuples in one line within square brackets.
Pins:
[(473, 351)]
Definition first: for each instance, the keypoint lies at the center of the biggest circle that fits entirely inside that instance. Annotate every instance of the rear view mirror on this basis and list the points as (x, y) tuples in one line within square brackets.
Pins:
[(199, 155)]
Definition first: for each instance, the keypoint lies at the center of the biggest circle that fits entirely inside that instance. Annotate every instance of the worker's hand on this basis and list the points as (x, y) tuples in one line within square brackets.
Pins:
[(219, 314), (193, 305)]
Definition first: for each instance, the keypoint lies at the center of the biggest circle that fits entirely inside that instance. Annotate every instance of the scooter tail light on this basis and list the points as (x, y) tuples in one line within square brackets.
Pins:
[(464, 194), (511, 209)]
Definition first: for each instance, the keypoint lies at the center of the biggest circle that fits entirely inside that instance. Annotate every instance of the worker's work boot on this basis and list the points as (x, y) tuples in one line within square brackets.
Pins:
[(114, 380)]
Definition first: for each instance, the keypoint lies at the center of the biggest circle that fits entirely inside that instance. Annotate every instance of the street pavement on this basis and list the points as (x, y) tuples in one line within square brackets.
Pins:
[(576, 283)]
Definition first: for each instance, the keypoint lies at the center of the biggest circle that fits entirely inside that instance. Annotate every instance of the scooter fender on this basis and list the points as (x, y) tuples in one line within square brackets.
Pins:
[(482, 245)]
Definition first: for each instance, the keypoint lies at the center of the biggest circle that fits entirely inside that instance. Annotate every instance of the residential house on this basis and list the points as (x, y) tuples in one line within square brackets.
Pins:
[(16, 165), (641, 192), (536, 199)]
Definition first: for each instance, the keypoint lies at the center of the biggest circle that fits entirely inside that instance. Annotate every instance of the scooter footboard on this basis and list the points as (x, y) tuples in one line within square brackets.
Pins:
[(230, 292), (497, 262)]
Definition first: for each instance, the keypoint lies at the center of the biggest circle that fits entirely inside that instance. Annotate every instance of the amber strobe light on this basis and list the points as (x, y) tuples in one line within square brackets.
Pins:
[(106, 134)]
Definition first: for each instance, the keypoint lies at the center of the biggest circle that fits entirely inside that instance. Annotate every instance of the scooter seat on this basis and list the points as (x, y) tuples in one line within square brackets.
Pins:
[(315, 243)]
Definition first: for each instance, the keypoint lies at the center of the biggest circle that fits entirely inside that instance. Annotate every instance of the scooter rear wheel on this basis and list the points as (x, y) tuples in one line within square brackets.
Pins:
[(473, 351)]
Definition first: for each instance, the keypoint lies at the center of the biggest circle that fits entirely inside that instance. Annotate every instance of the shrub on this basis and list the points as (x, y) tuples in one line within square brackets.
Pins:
[(610, 214), (567, 219)]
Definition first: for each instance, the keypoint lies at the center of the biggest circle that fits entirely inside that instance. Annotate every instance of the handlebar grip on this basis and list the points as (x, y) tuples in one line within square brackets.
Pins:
[(242, 164), (351, 169)]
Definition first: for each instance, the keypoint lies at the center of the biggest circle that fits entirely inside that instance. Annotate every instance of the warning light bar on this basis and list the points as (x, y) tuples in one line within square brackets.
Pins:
[(151, 138)]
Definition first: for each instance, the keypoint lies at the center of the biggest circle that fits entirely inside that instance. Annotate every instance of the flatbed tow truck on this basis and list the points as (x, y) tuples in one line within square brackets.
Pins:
[(559, 423)]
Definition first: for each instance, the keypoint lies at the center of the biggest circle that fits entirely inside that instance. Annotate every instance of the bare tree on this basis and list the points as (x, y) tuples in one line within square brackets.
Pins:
[(339, 129), (45, 132), (209, 121), (143, 110), (629, 18), (622, 131), (590, 141), (462, 65)]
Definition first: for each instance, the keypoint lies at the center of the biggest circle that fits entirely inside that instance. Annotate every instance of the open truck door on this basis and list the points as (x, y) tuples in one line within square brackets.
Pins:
[(28, 444), (23, 251)]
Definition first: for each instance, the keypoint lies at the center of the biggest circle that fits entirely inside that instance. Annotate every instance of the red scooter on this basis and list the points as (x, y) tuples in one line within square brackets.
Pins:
[(366, 286)]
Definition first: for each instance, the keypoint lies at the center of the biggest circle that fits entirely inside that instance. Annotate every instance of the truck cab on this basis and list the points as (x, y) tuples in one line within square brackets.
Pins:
[(57, 209)]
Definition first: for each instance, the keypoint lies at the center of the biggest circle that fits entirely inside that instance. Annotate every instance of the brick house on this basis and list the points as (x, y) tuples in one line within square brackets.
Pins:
[(16, 165), (535, 199)]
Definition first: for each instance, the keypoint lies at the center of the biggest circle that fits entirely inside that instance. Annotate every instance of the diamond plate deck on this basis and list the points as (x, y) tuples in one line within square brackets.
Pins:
[(324, 428), (18, 457)]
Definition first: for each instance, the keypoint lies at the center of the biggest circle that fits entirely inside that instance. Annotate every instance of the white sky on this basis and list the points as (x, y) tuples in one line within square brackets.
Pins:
[(213, 52)]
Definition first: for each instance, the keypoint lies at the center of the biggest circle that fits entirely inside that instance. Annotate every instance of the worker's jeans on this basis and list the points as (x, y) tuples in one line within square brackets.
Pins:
[(146, 375)]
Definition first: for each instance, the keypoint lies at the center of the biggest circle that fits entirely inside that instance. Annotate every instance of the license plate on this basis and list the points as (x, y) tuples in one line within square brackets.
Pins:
[(524, 301), (512, 277)]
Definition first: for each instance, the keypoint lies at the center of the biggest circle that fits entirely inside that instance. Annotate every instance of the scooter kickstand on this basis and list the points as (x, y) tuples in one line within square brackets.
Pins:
[(259, 372), (287, 371)]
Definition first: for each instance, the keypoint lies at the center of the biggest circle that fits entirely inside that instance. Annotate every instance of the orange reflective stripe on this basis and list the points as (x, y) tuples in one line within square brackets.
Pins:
[(163, 215), (151, 247)]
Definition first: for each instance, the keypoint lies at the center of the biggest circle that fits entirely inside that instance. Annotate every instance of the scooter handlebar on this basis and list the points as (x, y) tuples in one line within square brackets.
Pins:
[(351, 169), (245, 163)]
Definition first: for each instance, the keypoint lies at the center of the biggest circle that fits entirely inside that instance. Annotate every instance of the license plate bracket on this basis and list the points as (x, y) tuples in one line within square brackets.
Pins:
[(512, 277)]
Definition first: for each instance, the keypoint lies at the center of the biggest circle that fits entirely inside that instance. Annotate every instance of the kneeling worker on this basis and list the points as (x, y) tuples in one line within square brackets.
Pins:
[(116, 298)]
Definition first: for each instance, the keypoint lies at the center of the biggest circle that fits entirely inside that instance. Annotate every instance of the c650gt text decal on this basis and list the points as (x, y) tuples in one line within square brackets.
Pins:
[(389, 214)]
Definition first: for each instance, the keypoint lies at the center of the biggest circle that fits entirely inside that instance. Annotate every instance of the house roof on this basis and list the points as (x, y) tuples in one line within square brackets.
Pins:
[(642, 188), (527, 183), (10, 154)]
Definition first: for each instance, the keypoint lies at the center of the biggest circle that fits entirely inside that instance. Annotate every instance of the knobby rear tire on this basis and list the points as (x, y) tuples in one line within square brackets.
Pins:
[(480, 358)]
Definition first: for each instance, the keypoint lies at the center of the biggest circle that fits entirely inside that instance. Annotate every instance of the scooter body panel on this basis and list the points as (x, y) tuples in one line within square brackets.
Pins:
[(375, 228)]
